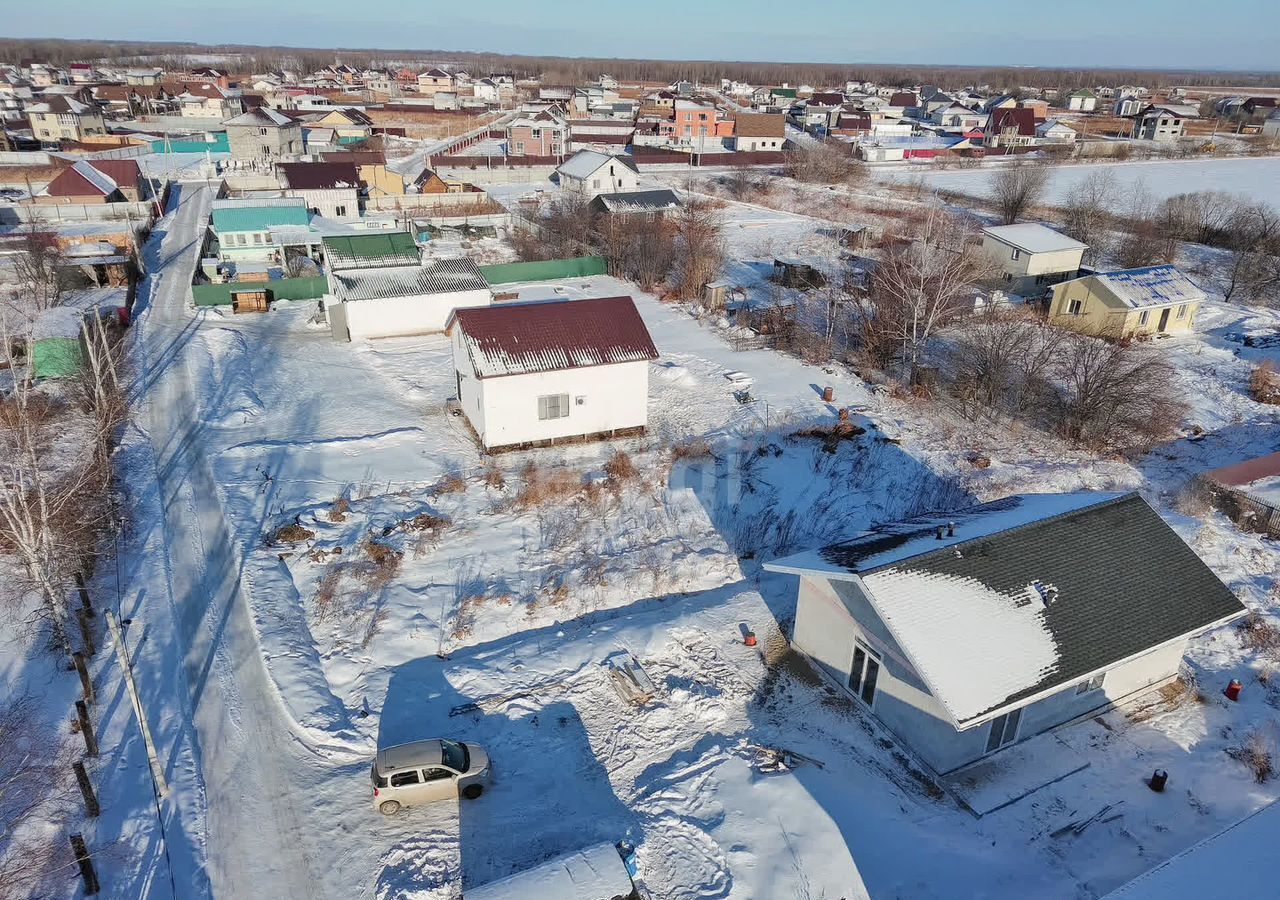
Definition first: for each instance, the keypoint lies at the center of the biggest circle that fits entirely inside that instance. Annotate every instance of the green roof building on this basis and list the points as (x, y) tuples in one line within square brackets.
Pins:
[(364, 251)]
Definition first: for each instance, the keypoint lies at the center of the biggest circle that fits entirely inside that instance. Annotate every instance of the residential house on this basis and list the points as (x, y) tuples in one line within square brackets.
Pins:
[(133, 100), (87, 183), (330, 189), (257, 230), (1083, 100), (1055, 131), (759, 131), (1011, 127), (143, 76), (201, 99), (263, 134), (350, 125), (589, 172), (539, 373), (435, 79), (601, 134), (82, 73), (61, 118), (1271, 127), (967, 632), (397, 300), (1003, 101), (1260, 106), (540, 135), (1127, 107), (957, 117), (1031, 257), (487, 90), (1148, 301), (1158, 124), (696, 123), (1040, 108)]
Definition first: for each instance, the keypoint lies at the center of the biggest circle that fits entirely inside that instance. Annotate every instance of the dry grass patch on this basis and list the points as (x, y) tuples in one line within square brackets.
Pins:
[(696, 448), (620, 468), (1257, 753), (539, 486), (293, 533), (381, 566), (1264, 384), (453, 483), (494, 478), (339, 508), (425, 522)]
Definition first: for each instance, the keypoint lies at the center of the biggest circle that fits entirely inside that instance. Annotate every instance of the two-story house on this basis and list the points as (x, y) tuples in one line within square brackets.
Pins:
[(539, 135), (589, 173), (62, 118), (1031, 257), (263, 134)]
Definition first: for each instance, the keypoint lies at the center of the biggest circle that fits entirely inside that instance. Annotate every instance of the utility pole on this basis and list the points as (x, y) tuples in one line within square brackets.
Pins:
[(157, 770)]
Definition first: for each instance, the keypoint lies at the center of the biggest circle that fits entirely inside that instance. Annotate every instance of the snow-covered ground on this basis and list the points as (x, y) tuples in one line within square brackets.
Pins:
[(1257, 178), (429, 591)]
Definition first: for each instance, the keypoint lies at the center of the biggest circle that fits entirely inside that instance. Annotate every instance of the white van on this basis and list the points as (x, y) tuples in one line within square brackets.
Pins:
[(423, 771), (594, 873)]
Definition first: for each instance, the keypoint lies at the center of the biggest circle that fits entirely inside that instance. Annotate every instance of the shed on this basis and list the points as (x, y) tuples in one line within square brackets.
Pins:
[(386, 301), (531, 374)]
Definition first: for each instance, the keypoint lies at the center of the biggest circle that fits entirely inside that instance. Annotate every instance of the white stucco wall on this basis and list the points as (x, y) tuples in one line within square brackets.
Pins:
[(504, 410), (397, 316), (825, 629)]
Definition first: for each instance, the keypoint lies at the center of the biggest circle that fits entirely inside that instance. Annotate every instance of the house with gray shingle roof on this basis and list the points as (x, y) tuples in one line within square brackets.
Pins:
[(973, 630), (1151, 300)]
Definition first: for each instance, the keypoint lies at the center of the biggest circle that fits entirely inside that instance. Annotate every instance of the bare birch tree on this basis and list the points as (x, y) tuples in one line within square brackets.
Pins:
[(1016, 188)]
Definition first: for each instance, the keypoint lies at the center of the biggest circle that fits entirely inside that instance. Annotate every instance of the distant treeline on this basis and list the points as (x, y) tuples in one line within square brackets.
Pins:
[(246, 59)]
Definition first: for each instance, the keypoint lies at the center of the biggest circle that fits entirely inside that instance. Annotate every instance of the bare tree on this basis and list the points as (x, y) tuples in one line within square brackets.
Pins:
[(917, 288), (638, 246), (825, 163), (35, 267), (1088, 212), (1016, 188), (1002, 361), (700, 249), (1115, 397), (1252, 270)]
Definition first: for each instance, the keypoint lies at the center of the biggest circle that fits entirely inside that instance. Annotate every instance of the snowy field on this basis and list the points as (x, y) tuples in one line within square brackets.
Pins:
[(423, 590), (1256, 178)]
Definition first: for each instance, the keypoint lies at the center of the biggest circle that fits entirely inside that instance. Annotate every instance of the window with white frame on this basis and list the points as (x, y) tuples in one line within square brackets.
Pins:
[(1016, 253), (1092, 684), (553, 406), (1074, 307), (1144, 316), (1004, 730), (864, 672), (1182, 311)]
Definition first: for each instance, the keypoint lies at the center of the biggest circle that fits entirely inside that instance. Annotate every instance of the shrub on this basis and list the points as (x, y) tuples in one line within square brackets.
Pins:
[(695, 448), (293, 533), (494, 478), (382, 565), (339, 508), (1256, 753), (453, 483), (620, 468), (1264, 384), (539, 486)]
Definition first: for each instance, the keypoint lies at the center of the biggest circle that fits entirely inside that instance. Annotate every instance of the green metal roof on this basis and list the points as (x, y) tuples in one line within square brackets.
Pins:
[(784, 92), (258, 218), (357, 251)]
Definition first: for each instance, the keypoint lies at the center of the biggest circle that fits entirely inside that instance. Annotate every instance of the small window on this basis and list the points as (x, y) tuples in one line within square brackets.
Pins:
[(1182, 311), (1093, 684), (553, 406), (1144, 316), (1016, 253), (340, 210), (1074, 307), (257, 238), (402, 779), (595, 182)]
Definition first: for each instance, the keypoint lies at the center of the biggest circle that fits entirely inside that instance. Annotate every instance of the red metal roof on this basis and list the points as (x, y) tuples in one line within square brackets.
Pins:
[(1008, 117), (320, 176), (520, 338)]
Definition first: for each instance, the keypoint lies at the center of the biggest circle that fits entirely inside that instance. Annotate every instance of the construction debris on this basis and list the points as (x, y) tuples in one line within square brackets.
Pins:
[(1078, 826), (630, 679)]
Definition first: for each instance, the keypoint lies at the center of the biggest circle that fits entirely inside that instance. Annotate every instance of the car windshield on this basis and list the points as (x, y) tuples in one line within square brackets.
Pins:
[(378, 780), (455, 755)]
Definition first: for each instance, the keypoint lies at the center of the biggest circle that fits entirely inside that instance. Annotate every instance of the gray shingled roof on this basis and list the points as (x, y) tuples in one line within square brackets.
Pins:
[(437, 276)]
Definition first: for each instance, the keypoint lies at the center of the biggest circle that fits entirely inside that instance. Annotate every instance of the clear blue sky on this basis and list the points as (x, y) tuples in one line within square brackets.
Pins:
[(1228, 34)]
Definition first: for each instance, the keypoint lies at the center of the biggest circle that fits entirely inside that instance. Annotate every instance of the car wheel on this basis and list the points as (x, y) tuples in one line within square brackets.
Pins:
[(389, 807), (472, 791)]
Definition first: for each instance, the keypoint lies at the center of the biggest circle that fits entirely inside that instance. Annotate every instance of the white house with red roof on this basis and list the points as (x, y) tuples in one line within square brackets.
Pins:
[(534, 374)]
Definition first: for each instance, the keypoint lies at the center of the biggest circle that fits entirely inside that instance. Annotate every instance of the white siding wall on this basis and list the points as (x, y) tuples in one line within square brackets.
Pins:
[(395, 316), (613, 397), (825, 628)]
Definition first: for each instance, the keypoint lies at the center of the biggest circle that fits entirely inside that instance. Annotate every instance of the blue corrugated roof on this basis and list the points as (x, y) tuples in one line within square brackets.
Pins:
[(258, 218)]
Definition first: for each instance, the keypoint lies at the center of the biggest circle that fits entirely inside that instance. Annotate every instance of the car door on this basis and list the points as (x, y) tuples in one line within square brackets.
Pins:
[(439, 783), (409, 788)]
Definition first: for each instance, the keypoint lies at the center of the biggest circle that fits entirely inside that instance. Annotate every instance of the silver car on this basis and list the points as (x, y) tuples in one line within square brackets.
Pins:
[(425, 771)]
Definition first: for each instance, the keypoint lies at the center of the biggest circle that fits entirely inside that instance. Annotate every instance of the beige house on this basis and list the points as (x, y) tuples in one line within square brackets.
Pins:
[(1151, 300), (61, 118), (1031, 257)]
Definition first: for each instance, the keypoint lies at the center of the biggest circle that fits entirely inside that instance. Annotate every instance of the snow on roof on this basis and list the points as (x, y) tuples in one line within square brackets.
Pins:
[(585, 162), (894, 542), (1030, 593), (1150, 286), (101, 181), (1033, 238), (438, 276), (1239, 861), (520, 338), (594, 873), (262, 115)]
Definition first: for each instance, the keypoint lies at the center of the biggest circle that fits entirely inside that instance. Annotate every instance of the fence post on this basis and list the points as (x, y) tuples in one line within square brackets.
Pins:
[(86, 685), (86, 632), (91, 807), (86, 728), (87, 874)]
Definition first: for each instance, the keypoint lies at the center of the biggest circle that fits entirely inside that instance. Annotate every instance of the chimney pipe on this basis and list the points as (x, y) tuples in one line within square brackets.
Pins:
[(951, 529)]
